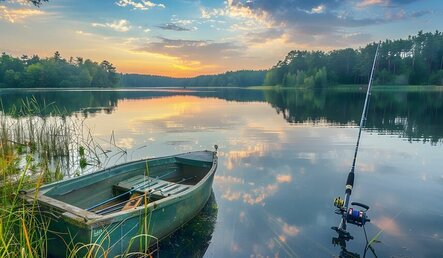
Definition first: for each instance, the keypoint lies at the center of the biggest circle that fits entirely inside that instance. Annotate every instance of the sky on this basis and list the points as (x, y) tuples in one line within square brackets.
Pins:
[(185, 38)]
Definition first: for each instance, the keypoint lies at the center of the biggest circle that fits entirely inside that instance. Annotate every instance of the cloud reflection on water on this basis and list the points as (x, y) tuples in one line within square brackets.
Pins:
[(275, 180)]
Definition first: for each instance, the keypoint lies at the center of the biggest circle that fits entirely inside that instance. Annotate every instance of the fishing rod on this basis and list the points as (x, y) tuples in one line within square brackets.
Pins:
[(349, 214)]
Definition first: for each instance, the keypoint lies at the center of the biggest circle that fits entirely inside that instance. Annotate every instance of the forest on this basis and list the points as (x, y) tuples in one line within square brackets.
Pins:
[(417, 60), (243, 78), (55, 72)]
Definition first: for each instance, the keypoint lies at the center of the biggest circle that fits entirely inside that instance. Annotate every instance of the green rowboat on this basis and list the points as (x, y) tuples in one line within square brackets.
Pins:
[(125, 209)]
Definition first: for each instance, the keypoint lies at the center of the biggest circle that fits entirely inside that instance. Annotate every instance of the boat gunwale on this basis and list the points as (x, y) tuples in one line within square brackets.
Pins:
[(90, 218)]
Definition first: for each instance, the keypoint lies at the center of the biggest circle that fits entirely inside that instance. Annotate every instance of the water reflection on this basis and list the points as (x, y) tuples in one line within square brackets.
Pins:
[(193, 239), (408, 113), (284, 157)]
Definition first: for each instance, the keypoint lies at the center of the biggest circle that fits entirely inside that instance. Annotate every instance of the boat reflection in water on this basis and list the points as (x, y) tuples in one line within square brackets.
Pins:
[(193, 239)]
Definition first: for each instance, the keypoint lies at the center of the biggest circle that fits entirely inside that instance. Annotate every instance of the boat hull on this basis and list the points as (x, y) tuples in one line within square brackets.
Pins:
[(126, 232)]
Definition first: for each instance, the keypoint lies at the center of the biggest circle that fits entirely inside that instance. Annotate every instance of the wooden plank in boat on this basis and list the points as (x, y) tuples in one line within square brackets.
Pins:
[(151, 185)]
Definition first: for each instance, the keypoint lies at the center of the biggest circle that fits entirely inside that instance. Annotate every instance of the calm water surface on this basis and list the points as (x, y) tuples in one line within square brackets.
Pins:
[(284, 156)]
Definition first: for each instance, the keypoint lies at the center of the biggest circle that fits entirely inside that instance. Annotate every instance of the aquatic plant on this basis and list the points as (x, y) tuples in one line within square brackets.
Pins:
[(37, 143), (34, 150)]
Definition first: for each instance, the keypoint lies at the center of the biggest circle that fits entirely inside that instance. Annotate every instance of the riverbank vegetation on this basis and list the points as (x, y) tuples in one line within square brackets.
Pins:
[(37, 143), (417, 60), (54, 72)]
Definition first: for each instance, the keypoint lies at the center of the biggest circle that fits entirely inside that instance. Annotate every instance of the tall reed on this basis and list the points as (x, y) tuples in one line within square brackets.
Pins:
[(37, 142)]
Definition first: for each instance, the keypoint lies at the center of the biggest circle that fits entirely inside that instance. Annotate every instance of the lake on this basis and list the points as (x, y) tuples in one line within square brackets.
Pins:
[(283, 157)]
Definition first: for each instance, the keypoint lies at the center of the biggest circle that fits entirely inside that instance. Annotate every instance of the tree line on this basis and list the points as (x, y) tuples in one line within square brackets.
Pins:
[(241, 78), (417, 60), (55, 71)]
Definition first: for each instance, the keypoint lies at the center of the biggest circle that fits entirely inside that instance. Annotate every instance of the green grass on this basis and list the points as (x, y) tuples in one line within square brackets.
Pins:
[(21, 231), (34, 149)]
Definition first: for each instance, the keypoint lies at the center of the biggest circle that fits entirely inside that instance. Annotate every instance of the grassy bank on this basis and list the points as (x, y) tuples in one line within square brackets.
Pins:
[(39, 144), (34, 150)]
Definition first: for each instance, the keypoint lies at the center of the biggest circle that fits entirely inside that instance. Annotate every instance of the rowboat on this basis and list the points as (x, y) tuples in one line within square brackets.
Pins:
[(125, 209)]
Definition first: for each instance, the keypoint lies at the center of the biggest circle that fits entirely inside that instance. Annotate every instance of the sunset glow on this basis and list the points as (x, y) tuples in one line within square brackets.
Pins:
[(188, 38)]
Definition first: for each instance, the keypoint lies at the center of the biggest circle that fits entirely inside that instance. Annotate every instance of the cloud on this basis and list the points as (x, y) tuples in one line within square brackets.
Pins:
[(401, 14), (21, 2), (208, 14), (231, 196), (400, 2), (239, 12), (288, 14), (194, 53), (14, 15), (388, 225), (172, 26), (119, 25), (258, 195), (366, 3), (184, 22), (142, 5), (319, 9), (262, 21), (286, 230), (281, 178), (144, 29), (264, 35), (328, 39), (306, 23), (80, 32), (228, 180), (290, 230), (384, 3), (237, 157)]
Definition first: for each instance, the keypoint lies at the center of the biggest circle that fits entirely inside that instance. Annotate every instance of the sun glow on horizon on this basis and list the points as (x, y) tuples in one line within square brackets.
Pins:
[(191, 38)]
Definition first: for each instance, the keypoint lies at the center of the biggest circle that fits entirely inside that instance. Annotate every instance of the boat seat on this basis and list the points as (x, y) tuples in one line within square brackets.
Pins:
[(151, 185)]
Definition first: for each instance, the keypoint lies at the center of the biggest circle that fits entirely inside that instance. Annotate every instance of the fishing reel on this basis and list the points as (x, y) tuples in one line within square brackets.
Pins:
[(358, 217), (352, 215)]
